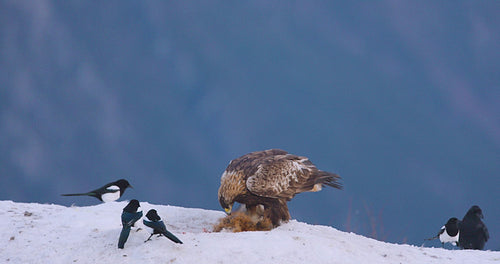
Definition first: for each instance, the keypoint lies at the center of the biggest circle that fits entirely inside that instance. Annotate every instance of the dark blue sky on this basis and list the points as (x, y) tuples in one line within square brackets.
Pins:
[(400, 98)]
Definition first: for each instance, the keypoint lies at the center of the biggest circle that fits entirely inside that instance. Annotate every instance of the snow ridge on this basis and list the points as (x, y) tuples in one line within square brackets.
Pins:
[(41, 233)]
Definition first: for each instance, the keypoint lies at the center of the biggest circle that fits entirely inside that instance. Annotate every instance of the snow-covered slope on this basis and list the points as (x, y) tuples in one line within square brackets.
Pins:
[(40, 233)]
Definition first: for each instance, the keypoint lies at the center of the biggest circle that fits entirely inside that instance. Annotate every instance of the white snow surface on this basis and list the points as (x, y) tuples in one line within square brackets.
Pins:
[(43, 233)]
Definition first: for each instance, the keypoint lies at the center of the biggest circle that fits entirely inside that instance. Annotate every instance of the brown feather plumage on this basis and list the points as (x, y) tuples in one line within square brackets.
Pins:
[(271, 178)]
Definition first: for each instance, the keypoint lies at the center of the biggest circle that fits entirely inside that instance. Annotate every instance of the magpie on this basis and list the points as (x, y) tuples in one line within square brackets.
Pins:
[(473, 232), (449, 233), (156, 226), (107, 193), (130, 215)]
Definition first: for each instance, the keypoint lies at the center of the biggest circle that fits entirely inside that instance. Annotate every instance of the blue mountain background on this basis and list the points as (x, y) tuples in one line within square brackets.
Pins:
[(401, 98)]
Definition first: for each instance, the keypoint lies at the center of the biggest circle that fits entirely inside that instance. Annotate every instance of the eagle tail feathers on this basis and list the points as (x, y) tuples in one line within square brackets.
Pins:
[(329, 179)]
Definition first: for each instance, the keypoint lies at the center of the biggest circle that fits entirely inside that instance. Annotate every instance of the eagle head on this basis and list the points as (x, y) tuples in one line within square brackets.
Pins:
[(228, 206), (232, 185)]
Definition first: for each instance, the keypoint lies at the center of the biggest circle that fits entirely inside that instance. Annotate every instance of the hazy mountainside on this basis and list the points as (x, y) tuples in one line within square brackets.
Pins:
[(41, 233)]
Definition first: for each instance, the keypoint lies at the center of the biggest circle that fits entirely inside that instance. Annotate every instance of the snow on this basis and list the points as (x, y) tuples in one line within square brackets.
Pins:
[(42, 233)]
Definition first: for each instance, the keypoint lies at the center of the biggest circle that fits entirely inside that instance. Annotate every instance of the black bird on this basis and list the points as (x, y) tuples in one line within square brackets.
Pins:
[(107, 193), (156, 226), (130, 215), (449, 233), (473, 232)]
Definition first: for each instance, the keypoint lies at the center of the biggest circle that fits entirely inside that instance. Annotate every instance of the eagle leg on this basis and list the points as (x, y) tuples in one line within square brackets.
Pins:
[(277, 211)]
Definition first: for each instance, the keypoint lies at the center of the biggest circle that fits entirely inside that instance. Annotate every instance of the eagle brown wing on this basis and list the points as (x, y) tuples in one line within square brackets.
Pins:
[(248, 164), (282, 176)]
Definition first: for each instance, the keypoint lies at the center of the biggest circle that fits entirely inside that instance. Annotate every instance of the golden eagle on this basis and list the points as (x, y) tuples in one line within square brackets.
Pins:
[(271, 178)]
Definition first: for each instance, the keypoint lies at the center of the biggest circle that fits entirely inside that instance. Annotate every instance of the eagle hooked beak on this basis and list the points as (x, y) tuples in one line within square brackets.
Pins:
[(228, 209)]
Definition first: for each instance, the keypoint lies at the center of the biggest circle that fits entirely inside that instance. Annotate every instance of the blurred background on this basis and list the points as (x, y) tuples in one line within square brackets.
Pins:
[(401, 98)]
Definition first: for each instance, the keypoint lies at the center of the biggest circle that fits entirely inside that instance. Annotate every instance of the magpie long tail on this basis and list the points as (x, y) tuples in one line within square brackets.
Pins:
[(432, 238), (123, 236), (79, 194), (172, 237)]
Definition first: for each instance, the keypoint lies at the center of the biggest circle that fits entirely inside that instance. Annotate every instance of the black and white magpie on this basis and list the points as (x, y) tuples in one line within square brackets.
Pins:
[(156, 226), (473, 232), (449, 233), (131, 214), (107, 193)]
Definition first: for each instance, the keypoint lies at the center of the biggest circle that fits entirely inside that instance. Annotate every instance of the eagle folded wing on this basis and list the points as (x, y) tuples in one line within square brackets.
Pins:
[(279, 178)]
